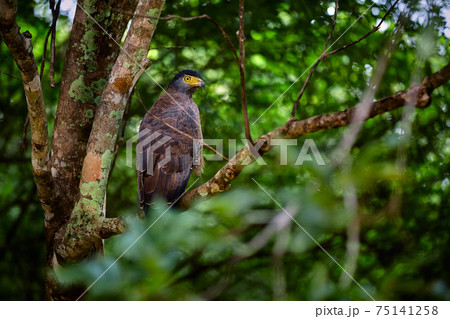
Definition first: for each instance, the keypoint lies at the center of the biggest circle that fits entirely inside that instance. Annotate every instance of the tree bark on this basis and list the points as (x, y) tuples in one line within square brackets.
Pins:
[(95, 86), (87, 226), (19, 44), (90, 55)]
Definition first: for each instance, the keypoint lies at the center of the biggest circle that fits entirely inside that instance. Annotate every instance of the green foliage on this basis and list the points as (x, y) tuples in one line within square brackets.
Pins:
[(227, 248)]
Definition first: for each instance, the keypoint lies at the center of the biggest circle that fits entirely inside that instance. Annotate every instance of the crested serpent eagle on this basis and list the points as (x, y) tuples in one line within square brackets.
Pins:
[(165, 157)]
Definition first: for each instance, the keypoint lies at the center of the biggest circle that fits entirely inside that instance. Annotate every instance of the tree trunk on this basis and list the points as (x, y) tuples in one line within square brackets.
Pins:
[(96, 83), (90, 55)]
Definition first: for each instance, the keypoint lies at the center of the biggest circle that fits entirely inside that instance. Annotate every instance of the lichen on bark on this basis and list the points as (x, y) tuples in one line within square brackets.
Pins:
[(79, 91), (87, 224)]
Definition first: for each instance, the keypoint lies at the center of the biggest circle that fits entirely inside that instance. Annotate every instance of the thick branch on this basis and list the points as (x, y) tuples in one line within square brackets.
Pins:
[(417, 95), (112, 226), (19, 44)]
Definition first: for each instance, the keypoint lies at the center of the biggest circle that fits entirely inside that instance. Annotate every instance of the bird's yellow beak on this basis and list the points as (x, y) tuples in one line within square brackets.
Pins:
[(198, 82)]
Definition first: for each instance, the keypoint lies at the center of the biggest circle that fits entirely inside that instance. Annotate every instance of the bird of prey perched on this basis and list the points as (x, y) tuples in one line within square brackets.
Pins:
[(165, 156)]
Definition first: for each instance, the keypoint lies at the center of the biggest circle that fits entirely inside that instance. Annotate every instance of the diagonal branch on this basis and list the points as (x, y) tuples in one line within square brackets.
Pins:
[(55, 14), (203, 16), (10, 75), (19, 44), (322, 57), (374, 29), (52, 32), (325, 54), (350, 136), (218, 26), (418, 95), (239, 60)]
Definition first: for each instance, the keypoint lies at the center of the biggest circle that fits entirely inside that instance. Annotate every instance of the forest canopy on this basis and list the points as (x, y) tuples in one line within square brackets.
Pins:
[(333, 213)]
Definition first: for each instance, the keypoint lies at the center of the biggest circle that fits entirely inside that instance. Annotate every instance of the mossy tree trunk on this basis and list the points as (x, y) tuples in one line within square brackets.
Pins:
[(96, 83)]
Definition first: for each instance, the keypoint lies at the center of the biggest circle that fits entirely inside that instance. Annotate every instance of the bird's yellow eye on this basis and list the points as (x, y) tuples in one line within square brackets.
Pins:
[(187, 79)]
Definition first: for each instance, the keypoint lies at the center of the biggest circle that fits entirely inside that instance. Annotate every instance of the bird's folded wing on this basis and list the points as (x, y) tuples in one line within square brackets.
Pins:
[(164, 162)]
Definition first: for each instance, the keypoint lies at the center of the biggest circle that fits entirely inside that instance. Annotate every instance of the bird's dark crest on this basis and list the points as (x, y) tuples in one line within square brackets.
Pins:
[(183, 73)]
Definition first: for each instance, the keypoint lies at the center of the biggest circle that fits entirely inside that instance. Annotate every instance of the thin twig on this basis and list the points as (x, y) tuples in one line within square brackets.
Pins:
[(239, 60), (177, 130), (171, 16), (248, 134), (44, 54), (336, 3), (203, 16), (52, 32), (224, 34), (173, 47), (52, 59), (348, 140), (322, 57), (374, 29), (207, 17), (55, 13), (11, 76), (326, 54)]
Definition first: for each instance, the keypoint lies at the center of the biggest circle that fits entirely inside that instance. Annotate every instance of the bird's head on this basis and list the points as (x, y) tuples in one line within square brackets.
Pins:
[(187, 81)]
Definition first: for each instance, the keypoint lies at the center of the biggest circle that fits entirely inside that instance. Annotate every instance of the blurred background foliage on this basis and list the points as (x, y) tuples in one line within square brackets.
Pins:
[(241, 245)]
